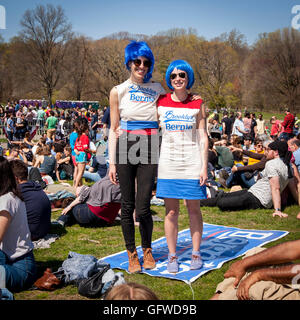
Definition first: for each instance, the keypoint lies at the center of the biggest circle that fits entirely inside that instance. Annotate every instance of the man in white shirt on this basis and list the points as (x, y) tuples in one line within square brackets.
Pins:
[(260, 125), (238, 126)]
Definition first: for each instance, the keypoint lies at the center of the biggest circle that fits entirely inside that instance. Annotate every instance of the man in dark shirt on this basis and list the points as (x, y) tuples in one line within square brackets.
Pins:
[(38, 205), (94, 125), (21, 127), (227, 124), (106, 120)]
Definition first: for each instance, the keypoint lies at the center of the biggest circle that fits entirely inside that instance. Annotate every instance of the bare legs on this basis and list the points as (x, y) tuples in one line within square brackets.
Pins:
[(75, 174), (80, 171), (196, 223), (171, 223)]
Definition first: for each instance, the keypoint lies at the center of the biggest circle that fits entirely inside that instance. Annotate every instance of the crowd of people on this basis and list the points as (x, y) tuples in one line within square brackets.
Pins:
[(265, 166), (146, 142)]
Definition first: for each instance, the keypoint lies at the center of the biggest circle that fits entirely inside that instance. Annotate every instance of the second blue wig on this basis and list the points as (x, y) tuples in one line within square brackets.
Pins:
[(137, 49), (180, 65)]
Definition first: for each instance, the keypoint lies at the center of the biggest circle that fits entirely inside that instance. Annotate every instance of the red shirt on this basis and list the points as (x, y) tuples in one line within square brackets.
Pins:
[(275, 128), (82, 144), (288, 123), (107, 212)]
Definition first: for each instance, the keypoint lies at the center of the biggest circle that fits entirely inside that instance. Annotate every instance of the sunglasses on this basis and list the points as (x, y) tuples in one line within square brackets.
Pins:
[(138, 62), (180, 74)]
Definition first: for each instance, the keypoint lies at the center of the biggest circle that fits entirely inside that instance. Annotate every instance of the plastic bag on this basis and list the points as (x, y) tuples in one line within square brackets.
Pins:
[(91, 287)]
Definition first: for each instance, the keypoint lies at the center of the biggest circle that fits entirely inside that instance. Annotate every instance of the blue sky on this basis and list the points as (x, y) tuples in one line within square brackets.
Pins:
[(99, 18)]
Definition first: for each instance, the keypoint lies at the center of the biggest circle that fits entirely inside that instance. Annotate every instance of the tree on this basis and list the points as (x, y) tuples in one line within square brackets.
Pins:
[(77, 66), (236, 41), (3, 69), (274, 69), (108, 65), (215, 65), (46, 32)]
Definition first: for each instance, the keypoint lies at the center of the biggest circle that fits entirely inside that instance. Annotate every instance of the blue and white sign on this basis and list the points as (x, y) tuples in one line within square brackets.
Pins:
[(219, 245)]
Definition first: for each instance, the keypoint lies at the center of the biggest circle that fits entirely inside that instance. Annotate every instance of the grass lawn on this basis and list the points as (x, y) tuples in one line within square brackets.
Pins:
[(101, 242)]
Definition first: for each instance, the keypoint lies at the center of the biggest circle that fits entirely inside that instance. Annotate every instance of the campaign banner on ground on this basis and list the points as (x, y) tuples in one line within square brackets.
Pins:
[(219, 245)]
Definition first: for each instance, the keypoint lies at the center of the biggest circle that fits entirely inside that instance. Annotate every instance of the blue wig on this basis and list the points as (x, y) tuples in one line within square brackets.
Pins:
[(137, 49), (180, 65)]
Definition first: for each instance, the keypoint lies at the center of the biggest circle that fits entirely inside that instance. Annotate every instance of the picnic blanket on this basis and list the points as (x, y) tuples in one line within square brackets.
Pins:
[(219, 245)]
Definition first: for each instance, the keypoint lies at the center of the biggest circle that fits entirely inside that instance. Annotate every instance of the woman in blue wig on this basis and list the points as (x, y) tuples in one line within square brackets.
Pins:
[(133, 156), (182, 168)]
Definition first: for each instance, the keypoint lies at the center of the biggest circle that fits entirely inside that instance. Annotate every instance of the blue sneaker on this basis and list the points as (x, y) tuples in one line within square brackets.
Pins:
[(196, 262), (172, 266)]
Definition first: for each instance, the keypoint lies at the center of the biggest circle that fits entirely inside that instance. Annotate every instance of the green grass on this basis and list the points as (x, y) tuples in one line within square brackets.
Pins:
[(101, 242)]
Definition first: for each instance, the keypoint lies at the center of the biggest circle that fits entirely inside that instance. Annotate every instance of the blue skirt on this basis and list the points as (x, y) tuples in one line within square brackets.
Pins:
[(180, 189)]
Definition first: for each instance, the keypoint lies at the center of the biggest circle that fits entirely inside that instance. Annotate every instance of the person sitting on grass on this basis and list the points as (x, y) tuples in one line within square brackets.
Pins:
[(38, 206), (254, 278), (65, 167), (94, 206), (14, 153), (267, 190), (17, 263), (245, 176), (46, 162), (97, 170)]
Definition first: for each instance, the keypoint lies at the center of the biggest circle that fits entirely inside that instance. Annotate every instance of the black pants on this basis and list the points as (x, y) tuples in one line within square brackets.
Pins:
[(231, 201), (136, 170)]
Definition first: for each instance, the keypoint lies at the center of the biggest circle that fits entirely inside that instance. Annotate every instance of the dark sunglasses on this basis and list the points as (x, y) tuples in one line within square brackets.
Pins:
[(138, 62), (180, 74)]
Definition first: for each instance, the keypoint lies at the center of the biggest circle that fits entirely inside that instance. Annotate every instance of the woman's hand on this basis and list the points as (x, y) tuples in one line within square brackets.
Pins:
[(119, 132), (195, 97), (113, 174), (66, 210), (203, 177)]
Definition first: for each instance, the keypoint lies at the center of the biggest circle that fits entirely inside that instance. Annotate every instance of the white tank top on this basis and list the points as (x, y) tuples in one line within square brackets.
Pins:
[(137, 104)]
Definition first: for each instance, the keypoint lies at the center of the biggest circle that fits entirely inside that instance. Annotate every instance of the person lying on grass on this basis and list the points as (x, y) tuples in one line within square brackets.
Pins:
[(94, 206)]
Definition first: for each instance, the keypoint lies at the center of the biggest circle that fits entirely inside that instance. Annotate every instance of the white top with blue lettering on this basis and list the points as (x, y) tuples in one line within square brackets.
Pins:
[(180, 160), (137, 104)]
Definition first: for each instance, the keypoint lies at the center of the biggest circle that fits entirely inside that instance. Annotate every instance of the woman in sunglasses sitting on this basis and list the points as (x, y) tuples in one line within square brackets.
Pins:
[(182, 168), (133, 155)]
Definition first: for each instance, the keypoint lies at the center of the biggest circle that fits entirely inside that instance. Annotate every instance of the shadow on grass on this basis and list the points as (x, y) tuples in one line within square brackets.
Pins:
[(58, 229), (43, 265)]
